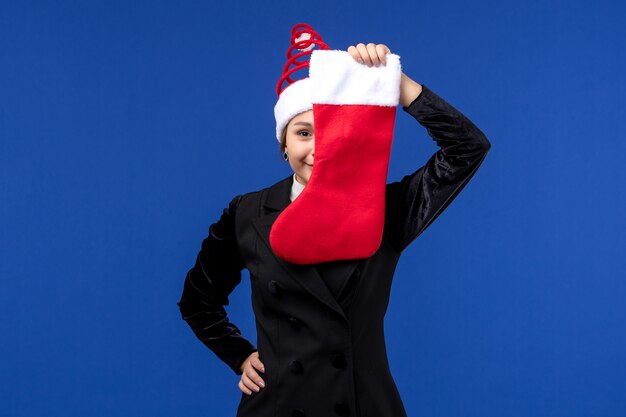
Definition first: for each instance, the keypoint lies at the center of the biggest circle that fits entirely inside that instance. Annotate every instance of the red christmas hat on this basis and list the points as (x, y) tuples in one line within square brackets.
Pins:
[(295, 98)]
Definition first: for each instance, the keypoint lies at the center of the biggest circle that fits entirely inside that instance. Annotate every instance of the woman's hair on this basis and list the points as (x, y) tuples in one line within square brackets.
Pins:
[(283, 141)]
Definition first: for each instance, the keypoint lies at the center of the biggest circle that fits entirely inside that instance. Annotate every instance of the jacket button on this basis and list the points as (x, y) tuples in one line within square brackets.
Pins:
[(295, 323), (296, 367), (339, 361), (273, 287), (298, 412), (342, 409)]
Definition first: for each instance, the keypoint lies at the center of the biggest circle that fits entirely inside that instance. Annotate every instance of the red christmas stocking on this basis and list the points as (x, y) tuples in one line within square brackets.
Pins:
[(340, 214)]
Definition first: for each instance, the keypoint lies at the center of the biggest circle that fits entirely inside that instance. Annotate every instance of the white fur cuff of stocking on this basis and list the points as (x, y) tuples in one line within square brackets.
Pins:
[(336, 78)]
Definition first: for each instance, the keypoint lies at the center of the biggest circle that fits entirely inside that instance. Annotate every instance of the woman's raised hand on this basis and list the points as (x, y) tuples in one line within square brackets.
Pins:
[(370, 54), (250, 379), (375, 54)]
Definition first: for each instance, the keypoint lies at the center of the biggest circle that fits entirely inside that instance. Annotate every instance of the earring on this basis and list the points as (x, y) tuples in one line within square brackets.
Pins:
[(285, 156)]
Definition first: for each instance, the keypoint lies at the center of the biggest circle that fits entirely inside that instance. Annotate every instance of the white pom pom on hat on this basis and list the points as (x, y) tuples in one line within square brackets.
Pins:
[(295, 98)]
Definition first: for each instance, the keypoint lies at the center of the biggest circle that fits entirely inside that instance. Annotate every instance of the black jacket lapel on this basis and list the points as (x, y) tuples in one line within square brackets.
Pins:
[(308, 276)]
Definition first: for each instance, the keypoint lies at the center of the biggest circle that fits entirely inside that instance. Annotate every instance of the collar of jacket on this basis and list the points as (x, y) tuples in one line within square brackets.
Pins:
[(278, 195), (336, 273)]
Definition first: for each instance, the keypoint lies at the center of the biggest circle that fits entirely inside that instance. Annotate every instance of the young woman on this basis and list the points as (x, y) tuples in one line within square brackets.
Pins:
[(321, 348)]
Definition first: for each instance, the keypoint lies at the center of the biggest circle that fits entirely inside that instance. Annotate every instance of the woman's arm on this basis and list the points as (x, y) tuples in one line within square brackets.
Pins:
[(215, 275), (414, 202), (409, 90)]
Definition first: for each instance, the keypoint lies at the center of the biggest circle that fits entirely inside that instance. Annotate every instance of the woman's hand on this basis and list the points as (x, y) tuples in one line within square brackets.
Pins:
[(370, 54), (375, 54), (250, 379)]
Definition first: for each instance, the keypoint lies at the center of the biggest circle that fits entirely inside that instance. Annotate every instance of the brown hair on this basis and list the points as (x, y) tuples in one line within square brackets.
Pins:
[(283, 141)]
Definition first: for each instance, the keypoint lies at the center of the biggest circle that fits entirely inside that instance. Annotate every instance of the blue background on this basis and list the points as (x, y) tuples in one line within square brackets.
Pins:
[(127, 126)]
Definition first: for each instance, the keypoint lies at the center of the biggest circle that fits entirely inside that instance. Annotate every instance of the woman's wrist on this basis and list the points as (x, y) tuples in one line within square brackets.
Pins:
[(409, 90)]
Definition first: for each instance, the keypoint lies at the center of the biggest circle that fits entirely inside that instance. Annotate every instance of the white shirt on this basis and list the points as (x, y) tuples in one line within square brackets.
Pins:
[(296, 188)]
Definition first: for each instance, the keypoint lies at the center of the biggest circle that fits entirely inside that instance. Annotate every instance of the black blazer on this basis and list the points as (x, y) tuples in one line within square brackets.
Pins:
[(320, 327)]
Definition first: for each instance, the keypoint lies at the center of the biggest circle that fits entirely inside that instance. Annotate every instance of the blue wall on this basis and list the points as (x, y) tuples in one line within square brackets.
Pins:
[(126, 127)]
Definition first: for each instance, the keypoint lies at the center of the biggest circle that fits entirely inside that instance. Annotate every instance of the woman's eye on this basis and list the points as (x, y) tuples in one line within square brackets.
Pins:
[(303, 131)]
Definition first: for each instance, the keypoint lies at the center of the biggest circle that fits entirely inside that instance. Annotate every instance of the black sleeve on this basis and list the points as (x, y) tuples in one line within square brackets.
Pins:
[(214, 276), (415, 201)]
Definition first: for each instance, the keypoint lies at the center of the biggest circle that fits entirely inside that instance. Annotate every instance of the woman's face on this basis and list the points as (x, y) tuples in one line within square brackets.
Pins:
[(300, 145)]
